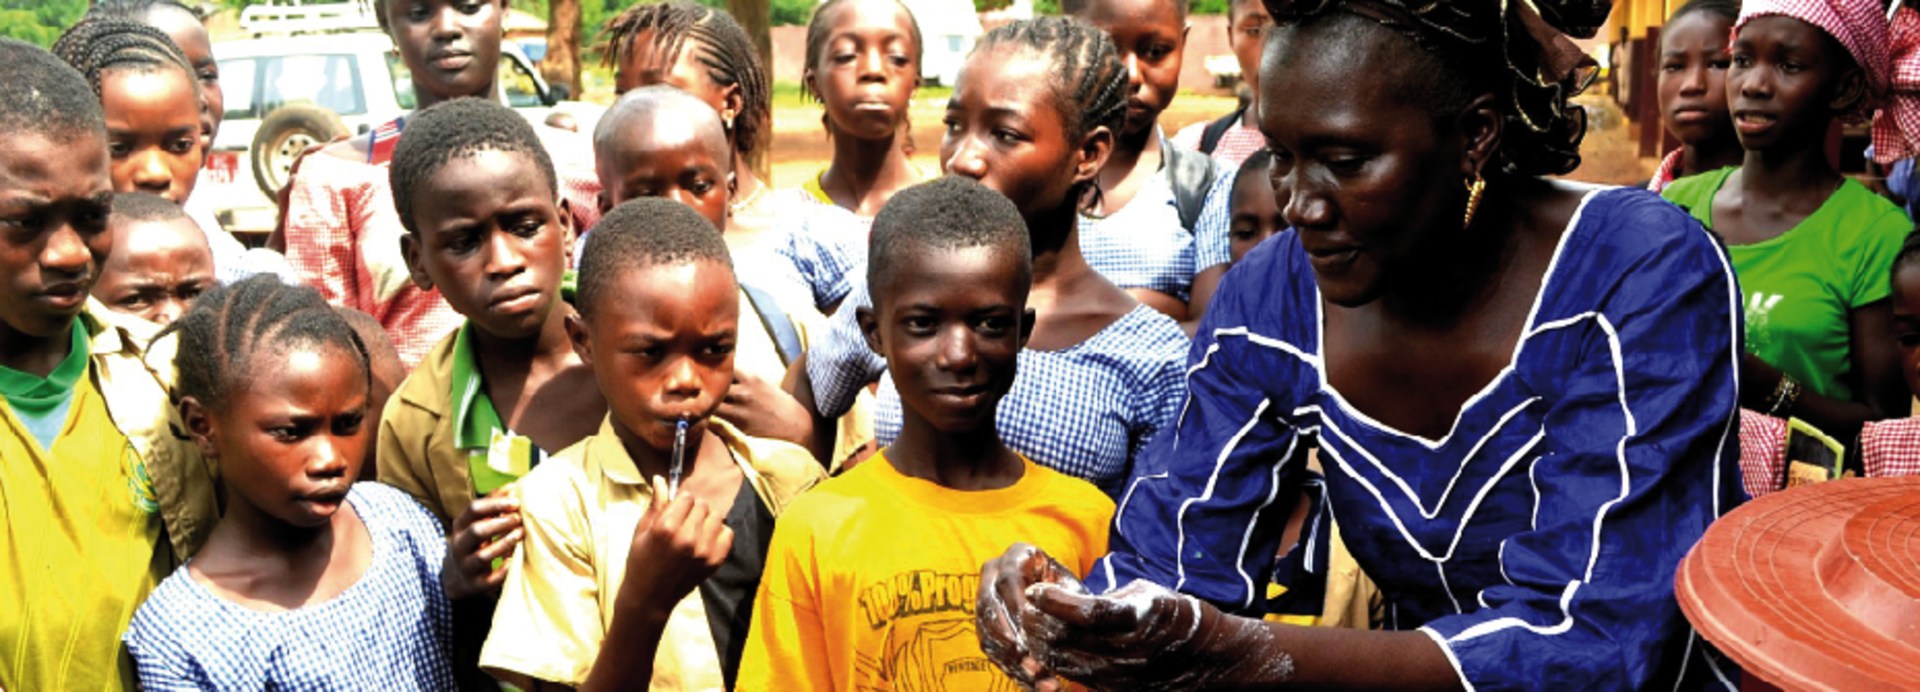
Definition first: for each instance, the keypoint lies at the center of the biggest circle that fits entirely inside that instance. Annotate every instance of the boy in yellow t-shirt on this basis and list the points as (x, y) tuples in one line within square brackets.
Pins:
[(98, 500), (872, 577), (615, 587)]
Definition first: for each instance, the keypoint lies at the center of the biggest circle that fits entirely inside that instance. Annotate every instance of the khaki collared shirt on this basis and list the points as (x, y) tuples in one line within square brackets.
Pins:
[(419, 450), (580, 510), (134, 379)]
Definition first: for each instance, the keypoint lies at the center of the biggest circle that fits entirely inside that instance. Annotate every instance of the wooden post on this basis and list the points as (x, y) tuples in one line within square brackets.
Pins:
[(756, 16), (562, 62)]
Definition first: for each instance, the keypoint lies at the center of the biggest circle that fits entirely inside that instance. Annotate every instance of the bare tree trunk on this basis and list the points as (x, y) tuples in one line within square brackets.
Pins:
[(562, 63), (756, 16)]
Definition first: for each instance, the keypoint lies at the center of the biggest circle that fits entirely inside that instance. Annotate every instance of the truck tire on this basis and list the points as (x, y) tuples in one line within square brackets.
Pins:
[(286, 132)]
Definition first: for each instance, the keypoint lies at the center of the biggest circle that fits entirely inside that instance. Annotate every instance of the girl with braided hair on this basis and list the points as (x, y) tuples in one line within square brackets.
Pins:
[(182, 24), (151, 91), (1523, 390), (1812, 247), (1033, 117), (152, 103), (342, 232), (704, 52), (309, 579)]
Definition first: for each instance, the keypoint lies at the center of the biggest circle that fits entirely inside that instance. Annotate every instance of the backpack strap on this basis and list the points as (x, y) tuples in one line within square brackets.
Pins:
[(1190, 174), (1210, 137), (786, 338)]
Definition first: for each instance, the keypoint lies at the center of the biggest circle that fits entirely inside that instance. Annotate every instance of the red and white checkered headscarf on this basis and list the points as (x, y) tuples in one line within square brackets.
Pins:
[(1896, 128), (1859, 25)]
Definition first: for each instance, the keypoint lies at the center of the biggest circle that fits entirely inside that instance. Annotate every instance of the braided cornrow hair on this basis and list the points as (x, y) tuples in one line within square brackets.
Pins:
[(1089, 81), (99, 43), (228, 326), (720, 45)]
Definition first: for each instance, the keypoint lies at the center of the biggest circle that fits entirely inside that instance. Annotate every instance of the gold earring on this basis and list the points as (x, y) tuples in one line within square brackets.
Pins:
[(1475, 186)]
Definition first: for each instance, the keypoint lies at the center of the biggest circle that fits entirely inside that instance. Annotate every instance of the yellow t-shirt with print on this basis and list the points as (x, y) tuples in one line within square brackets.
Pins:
[(871, 578), (77, 555)]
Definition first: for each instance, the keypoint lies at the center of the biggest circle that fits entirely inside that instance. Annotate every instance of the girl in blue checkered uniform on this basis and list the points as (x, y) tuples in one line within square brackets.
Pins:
[(1101, 373), (309, 581)]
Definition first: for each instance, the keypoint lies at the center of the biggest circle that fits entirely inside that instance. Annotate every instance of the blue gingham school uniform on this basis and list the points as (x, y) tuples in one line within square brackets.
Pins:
[(391, 630)]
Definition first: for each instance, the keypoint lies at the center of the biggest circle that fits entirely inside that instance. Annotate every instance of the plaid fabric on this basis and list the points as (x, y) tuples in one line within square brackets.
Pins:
[(391, 630), (1896, 128), (1235, 145), (1891, 448), (1860, 25), (1086, 411), (343, 238), (1142, 244), (1668, 170), (1212, 233), (1763, 452)]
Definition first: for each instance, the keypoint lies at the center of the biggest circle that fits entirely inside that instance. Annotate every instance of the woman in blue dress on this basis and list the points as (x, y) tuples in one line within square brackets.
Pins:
[(1524, 392)]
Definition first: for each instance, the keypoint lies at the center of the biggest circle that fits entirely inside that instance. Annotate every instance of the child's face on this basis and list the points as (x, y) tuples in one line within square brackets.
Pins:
[(156, 270), (661, 342), (866, 73), (1246, 34), (153, 129), (188, 33), (1906, 322), (643, 66), (951, 325), (1150, 35), (1256, 216), (1784, 83), (55, 196), (1004, 129), (1693, 78), (673, 153), (451, 47), (292, 433), (488, 234)]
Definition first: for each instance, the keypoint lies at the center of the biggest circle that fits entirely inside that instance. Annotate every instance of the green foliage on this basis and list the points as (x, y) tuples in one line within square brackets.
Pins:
[(792, 12), (39, 21), (1046, 6), (1209, 6), (990, 5)]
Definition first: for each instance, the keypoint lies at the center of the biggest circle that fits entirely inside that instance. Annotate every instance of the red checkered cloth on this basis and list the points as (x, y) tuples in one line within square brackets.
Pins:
[(1891, 448), (1860, 25), (1235, 145), (343, 237), (1668, 170), (1763, 452), (1896, 128)]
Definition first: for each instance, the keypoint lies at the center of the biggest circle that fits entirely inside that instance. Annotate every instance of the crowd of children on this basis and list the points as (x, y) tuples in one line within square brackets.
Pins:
[(515, 407)]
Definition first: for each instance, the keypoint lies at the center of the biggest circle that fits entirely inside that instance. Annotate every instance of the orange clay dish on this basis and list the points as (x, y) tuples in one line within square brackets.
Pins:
[(1815, 588)]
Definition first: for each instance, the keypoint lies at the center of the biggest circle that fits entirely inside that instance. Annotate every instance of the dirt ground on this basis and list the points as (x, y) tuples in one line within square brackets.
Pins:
[(800, 148)]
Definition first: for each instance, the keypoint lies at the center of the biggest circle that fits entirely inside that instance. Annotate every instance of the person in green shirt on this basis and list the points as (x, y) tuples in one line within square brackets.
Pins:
[(1812, 248), (98, 500)]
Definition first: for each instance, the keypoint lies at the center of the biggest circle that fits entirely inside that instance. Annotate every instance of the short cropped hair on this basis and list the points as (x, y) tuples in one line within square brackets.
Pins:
[(146, 206), (44, 95), (460, 128), (644, 102), (641, 234), (949, 213)]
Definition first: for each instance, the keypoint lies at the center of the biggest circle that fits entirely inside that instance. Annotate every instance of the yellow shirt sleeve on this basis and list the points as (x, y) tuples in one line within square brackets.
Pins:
[(787, 646), (547, 625)]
